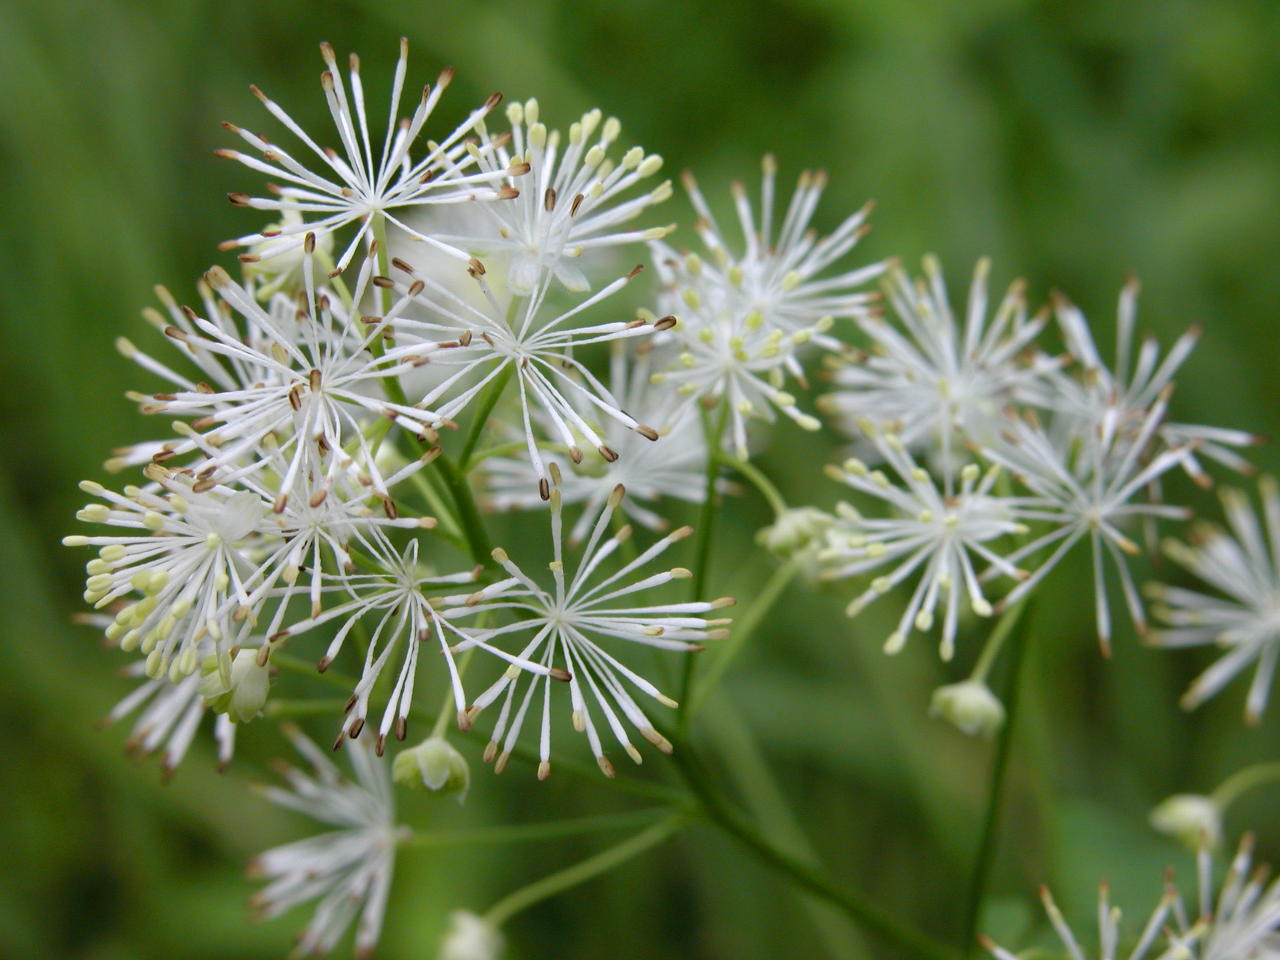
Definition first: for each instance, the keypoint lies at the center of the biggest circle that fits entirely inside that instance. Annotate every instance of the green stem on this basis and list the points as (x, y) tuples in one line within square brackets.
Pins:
[(468, 513), (808, 877), (562, 880), (743, 627), (757, 479), (995, 641), (985, 858), (528, 832), (305, 668), (279, 709), (1244, 780), (395, 392), (488, 400)]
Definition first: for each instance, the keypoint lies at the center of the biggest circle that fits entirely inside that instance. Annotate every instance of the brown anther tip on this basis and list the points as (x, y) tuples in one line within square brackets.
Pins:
[(337, 743), (508, 193), (323, 665), (608, 453), (401, 265), (248, 258), (379, 745), (635, 271), (402, 728), (494, 99), (309, 243), (544, 488), (647, 432), (239, 199), (477, 268), (665, 323), (556, 673)]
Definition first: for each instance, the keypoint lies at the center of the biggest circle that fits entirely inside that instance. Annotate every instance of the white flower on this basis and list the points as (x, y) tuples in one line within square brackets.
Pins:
[(1243, 564), (969, 706), (936, 379), (674, 467), (348, 869), (1194, 819), (575, 625), (1243, 924), (530, 342), (1086, 488), (572, 201), (470, 937), (944, 532), (350, 186), (403, 620), (1117, 398), (188, 550), (291, 376)]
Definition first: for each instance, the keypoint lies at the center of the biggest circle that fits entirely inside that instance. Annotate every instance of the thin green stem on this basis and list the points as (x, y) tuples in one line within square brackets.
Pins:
[(995, 641), (562, 880), (280, 709), (743, 627), (757, 479), (985, 857), (1244, 780), (305, 668), (531, 832), (468, 513), (806, 876), (488, 400), (395, 392)]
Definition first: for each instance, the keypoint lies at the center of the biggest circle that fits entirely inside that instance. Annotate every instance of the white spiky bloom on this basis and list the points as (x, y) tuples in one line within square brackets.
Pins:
[(578, 625), (945, 532), (744, 318), (188, 549), (1119, 396), (403, 618), (1243, 565), (1088, 488), (351, 186), (1243, 923), (938, 379), (349, 869), (294, 376), (535, 344), (674, 467), (573, 199)]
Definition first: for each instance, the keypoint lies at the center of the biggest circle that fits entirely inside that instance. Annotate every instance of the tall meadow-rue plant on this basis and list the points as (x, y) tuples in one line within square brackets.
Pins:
[(429, 325)]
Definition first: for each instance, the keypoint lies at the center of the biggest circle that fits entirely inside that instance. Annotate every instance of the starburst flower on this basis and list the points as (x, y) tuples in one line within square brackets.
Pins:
[(579, 626), (573, 201), (1243, 565), (937, 379), (673, 468), (529, 342), (1242, 924), (348, 869), (404, 618), (1118, 397), (945, 532), (187, 548), (289, 376), (351, 186), (1088, 488)]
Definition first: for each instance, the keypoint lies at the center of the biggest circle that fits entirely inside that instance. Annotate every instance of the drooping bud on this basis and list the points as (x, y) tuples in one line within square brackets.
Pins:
[(241, 691), (436, 765), (970, 706), (1192, 819), (795, 531), (470, 937)]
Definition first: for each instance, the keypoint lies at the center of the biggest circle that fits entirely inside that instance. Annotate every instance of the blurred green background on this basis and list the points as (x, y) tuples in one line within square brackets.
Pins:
[(1071, 141)]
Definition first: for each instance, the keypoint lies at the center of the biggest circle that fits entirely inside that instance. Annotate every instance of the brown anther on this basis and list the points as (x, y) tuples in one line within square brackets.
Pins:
[(664, 323), (549, 199), (544, 488), (647, 432), (575, 454), (239, 199), (401, 265), (494, 98), (577, 202), (608, 453), (508, 193), (635, 270), (313, 380)]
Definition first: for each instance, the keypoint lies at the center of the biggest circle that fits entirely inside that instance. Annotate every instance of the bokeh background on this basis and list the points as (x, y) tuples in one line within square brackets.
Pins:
[(1071, 141)]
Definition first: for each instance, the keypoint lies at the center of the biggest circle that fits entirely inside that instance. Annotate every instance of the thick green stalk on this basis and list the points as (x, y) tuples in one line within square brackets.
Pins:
[(488, 400), (888, 929), (468, 513), (1016, 619), (602, 862)]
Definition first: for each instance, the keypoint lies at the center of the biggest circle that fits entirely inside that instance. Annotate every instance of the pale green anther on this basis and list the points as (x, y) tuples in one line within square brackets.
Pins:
[(657, 378), (178, 503), (740, 355), (126, 348), (94, 597), (575, 133), (693, 263), (801, 337), (662, 191), (736, 343), (656, 233), (745, 408), (152, 520), (214, 628), (944, 582), (951, 520), (847, 511), (775, 336), (125, 616), (591, 120), (538, 136), (515, 114), (691, 299), (1021, 528), (99, 583), (613, 127), (791, 280), (925, 516), (688, 360), (632, 158), (867, 427), (806, 422), (993, 472), (175, 670), (879, 479), (981, 607), (181, 608), (75, 540), (97, 567), (755, 318), (436, 765), (895, 642), (159, 580), (856, 467), (944, 388), (920, 475), (212, 540), (924, 620), (874, 550), (824, 324), (776, 376), (93, 488), (140, 580), (112, 552), (593, 157), (880, 584), (969, 473), (187, 662), (129, 641), (531, 110), (114, 631), (651, 165), (686, 389), (94, 513), (221, 581), (154, 667), (893, 441), (151, 639), (705, 335), (132, 492)]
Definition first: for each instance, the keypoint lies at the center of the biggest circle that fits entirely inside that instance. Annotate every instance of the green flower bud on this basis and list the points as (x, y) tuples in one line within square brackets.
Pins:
[(470, 937), (970, 706), (436, 765), (1190, 818), (794, 531), (241, 691)]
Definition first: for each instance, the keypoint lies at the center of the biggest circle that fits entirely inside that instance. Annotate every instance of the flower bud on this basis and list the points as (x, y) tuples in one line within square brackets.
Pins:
[(794, 531), (436, 765), (278, 270), (470, 937), (1192, 819), (242, 691), (970, 706)]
